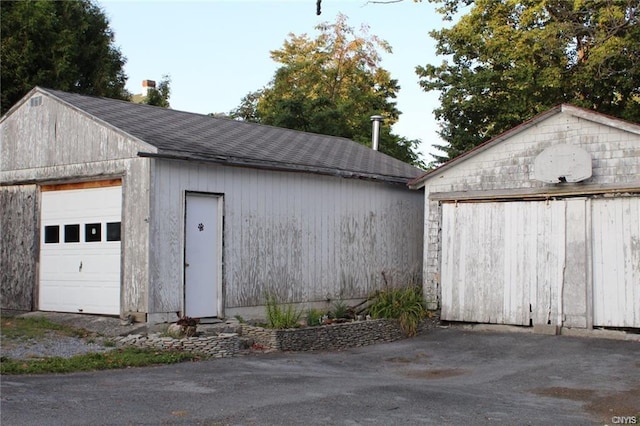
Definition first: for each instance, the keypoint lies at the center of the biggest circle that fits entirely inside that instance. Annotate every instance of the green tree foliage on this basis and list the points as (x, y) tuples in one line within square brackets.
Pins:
[(331, 85), (159, 96), (511, 59), (65, 45)]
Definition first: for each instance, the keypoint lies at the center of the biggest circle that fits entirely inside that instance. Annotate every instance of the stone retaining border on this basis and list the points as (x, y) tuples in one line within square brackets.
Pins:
[(219, 346), (326, 337)]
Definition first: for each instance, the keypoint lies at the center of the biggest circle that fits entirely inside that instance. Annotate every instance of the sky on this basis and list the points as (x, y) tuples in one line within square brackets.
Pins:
[(217, 51)]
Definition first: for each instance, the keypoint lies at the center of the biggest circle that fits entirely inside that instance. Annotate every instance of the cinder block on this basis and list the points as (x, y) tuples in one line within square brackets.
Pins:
[(549, 329)]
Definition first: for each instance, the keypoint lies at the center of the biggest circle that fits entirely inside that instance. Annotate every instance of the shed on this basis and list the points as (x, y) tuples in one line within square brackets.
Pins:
[(538, 226), (116, 208)]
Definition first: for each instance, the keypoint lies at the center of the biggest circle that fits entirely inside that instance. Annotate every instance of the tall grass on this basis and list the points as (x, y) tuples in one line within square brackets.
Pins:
[(405, 304), (280, 316)]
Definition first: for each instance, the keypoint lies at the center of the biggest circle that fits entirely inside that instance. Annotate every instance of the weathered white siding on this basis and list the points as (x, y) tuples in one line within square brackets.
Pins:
[(303, 237), (18, 246), (504, 171), (54, 143), (53, 134)]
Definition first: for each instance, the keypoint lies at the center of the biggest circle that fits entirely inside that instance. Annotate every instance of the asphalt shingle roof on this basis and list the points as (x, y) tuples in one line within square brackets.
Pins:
[(193, 136)]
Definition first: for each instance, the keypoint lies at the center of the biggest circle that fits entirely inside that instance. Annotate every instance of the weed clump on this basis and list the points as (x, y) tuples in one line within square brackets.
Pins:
[(405, 304)]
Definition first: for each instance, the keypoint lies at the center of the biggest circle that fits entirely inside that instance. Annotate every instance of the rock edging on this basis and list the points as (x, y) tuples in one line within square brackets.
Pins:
[(327, 337), (219, 346)]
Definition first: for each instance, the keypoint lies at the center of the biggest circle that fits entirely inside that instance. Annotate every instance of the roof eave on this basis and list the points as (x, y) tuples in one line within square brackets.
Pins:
[(276, 166)]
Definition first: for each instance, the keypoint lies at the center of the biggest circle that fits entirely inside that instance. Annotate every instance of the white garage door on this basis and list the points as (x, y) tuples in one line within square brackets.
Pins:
[(80, 250), (529, 262), (502, 262)]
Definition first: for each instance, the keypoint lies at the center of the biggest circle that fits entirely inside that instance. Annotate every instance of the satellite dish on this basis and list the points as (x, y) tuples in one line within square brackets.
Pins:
[(562, 163)]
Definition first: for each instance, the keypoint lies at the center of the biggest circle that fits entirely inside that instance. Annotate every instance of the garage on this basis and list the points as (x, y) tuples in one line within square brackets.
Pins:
[(80, 247), (213, 219), (539, 226)]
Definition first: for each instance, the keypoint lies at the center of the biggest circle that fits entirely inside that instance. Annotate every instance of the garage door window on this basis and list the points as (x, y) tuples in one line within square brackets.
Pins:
[(72, 233), (113, 231), (51, 234), (92, 232)]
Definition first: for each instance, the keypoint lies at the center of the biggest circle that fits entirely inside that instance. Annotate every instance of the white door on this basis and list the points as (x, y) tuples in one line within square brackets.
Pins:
[(203, 251), (80, 250)]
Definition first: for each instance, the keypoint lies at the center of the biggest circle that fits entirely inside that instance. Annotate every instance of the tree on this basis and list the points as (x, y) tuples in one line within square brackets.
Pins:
[(159, 96), (513, 59), (64, 45), (331, 85)]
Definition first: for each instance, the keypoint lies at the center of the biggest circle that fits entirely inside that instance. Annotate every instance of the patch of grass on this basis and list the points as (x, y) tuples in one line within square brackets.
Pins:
[(117, 358), (405, 304), (16, 330), (34, 327), (279, 316)]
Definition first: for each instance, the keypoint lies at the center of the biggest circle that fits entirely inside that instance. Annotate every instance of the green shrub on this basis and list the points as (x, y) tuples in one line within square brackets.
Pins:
[(339, 310), (279, 316), (314, 317), (405, 304)]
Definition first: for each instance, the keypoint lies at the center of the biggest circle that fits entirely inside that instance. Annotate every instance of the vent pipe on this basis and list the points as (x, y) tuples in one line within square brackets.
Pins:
[(376, 119)]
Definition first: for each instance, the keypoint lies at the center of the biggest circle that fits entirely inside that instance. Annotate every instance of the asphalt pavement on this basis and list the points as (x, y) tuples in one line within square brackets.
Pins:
[(447, 376)]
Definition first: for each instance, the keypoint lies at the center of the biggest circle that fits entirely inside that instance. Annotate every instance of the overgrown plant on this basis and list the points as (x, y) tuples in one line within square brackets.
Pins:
[(340, 310), (314, 317), (280, 316), (405, 304)]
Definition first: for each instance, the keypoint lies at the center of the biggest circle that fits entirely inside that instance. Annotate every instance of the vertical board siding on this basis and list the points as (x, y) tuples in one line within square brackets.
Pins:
[(18, 246), (501, 260), (573, 293), (299, 236), (616, 262), (53, 134), (135, 235)]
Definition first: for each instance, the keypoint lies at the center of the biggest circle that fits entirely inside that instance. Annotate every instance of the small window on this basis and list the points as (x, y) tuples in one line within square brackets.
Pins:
[(51, 234), (72, 233), (92, 232), (113, 231)]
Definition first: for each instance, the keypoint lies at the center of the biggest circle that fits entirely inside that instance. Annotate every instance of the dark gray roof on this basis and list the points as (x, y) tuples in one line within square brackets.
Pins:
[(185, 135)]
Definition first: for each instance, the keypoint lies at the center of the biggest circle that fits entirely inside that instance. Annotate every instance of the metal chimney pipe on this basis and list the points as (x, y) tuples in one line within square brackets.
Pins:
[(376, 119)]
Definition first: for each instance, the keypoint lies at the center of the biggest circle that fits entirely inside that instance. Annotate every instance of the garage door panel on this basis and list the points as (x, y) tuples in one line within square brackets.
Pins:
[(616, 262), (82, 276), (469, 283), (501, 257)]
